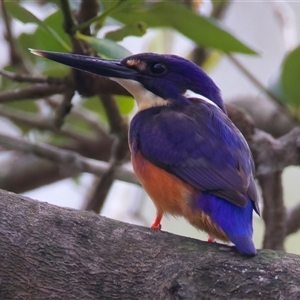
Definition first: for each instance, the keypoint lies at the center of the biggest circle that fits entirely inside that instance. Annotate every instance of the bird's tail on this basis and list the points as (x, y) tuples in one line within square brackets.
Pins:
[(244, 244), (234, 220)]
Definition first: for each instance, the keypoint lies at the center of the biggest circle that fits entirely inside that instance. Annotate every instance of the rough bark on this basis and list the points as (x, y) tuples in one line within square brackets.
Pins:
[(266, 114), (47, 252), (274, 212)]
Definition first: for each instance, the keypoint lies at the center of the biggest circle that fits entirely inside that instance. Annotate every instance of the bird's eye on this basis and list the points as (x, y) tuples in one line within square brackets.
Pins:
[(158, 69)]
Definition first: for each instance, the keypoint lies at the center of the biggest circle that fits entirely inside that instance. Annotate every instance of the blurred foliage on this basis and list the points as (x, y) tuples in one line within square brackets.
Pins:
[(289, 81), (21, 14), (133, 29), (202, 30), (131, 18), (105, 47)]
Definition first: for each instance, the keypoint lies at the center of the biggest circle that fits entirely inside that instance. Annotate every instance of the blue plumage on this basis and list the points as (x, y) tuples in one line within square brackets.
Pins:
[(181, 75), (187, 153), (235, 220), (207, 150)]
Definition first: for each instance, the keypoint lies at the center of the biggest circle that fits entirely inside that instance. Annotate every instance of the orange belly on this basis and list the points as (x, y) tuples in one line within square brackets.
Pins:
[(171, 195)]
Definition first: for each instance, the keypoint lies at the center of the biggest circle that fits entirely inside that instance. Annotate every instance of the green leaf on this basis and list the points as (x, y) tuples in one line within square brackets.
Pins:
[(275, 87), (41, 39), (125, 103), (289, 78), (202, 30), (26, 105), (45, 41), (134, 29), (22, 14), (104, 47), (77, 179)]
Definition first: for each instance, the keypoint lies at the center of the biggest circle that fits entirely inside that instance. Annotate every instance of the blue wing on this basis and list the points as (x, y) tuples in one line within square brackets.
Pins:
[(200, 145)]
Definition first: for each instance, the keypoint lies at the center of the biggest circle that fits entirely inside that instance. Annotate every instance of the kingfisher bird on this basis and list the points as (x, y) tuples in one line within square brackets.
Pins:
[(188, 155)]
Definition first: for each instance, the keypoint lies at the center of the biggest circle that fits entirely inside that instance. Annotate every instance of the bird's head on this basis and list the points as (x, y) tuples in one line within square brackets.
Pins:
[(152, 79)]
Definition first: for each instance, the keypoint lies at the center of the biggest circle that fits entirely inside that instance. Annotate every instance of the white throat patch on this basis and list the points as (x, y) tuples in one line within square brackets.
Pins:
[(191, 94), (144, 98)]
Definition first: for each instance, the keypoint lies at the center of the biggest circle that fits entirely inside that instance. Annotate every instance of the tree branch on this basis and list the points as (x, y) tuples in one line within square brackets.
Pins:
[(24, 171), (36, 121), (116, 121), (293, 219), (31, 78), (266, 114), (73, 160), (88, 10), (271, 156), (33, 92), (64, 108), (89, 117), (15, 56), (119, 152), (68, 17), (274, 212), (51, 252)]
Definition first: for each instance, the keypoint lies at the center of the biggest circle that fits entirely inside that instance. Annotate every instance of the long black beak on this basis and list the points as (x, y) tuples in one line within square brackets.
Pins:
[(103, 67)]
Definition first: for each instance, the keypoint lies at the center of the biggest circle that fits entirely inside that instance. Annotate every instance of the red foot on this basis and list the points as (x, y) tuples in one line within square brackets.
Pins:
[(156, 225), (211, 240)]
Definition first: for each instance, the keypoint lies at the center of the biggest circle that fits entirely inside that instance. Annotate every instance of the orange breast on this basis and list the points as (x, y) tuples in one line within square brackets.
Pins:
[(169, 193), (172, 195)]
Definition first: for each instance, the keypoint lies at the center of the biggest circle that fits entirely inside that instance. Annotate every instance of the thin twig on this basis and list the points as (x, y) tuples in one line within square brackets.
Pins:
[(36, 121), (71, 159), (87, 116), (88, 11), (64, 108), (67, 16), (115, 119), (90, 118), (101, 190), (119, 151), (31, 78), (33, 92), (97, 18), (219, 8), (254, 80), (15, 56)]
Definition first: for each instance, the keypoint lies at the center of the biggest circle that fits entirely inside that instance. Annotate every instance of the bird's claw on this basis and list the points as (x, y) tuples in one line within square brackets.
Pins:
[(211, 240), (156, 226)]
